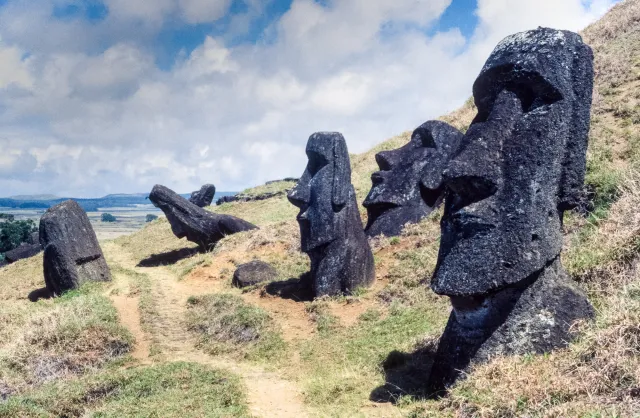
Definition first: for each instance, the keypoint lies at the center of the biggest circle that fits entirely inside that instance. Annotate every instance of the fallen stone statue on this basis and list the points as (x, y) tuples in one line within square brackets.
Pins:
[(520, 165), (72, 255), (204, 196), (196, 224), (408, 186), (26, 250), (330, 225)]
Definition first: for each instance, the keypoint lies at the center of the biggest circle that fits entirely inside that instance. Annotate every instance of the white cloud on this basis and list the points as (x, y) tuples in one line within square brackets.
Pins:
[(75, 119)]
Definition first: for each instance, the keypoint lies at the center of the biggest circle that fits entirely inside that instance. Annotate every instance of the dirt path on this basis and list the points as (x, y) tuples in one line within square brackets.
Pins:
[(268, 394)]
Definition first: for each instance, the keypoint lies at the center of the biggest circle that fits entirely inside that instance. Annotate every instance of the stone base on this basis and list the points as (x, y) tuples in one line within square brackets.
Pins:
[(534, 316)]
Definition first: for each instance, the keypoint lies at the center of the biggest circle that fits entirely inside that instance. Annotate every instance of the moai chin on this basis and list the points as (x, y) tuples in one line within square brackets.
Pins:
[(520, 165), (408, 186), (330, 225)]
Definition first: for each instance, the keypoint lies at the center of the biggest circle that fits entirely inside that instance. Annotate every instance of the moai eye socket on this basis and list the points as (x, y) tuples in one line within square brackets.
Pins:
[(316, 162)]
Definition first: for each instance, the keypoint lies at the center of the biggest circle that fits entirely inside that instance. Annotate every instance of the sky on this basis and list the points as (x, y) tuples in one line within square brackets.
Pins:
[(114, 96)]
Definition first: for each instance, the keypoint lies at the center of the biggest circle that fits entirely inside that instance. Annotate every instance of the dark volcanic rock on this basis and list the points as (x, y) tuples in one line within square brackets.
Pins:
[(72, 254), (520, 165), (330, 225), (253, 273), (196, 224), (22, 252), (409, 186), (262, 196), (226, 199), (204, 196)]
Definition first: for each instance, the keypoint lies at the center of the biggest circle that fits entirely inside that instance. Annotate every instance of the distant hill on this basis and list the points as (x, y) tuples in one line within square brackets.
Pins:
[(89, 205), (35, 197)]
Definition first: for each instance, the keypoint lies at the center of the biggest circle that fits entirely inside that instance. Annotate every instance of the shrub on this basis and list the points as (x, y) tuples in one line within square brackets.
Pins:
[(13, 233), (107, 217)]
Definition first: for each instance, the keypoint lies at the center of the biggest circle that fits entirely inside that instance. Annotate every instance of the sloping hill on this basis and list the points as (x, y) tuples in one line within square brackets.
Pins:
[(365, 355)]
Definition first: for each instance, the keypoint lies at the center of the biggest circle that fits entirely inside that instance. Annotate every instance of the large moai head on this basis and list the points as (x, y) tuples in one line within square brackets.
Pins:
[(330, 225), (409, 184), (323, 190), (520, 165)]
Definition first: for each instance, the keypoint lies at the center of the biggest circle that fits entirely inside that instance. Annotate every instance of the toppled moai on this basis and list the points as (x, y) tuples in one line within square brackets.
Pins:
[(520, 165), (330, 225), (409, 186), (72, 254), (27, 249), (204, 196), (196, 224)]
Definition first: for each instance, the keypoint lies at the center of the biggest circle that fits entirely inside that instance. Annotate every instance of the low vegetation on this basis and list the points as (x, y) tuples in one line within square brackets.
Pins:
[(167, 390), (225, 324)]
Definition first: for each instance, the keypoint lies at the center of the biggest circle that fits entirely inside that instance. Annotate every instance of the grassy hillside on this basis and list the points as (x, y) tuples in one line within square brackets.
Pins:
[(171, 337)]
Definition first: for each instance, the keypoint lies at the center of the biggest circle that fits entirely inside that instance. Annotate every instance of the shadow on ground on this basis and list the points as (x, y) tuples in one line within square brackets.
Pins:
[(298, 289), (406, 374), (39, 294), (170, 257)]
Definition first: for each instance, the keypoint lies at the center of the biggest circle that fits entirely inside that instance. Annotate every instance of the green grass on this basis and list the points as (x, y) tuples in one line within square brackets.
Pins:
[(276, 187), (225, 324), (340, 368), (169, 390)]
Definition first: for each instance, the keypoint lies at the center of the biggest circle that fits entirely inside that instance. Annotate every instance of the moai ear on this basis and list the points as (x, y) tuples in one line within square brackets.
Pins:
[(341, 173), (575, 159)]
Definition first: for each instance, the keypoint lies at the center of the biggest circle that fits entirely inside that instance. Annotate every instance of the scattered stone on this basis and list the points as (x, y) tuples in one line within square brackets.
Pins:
[(253, 273), (330, 225), (520, 165), (196, 224), (72, 254), (409, 186), (23, 251), (204, 196)]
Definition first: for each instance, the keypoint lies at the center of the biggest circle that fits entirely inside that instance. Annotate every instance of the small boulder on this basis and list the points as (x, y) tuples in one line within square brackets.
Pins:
[(253, 273), (72, 254), (204, 196)]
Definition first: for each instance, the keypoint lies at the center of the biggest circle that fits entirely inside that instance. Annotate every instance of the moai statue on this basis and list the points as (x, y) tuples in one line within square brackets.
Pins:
[(408, 186), (520, 165), (196, 224), (330, 225), (204, 196), (72, 254)]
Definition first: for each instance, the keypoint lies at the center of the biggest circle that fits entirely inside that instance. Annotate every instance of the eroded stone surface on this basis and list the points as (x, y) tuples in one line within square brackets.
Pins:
[(520, 165), (196, 224), (409, 185), (204, 196), (330, 225), (72, 254)]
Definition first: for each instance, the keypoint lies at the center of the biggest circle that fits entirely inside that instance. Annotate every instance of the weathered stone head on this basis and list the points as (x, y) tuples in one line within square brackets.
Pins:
[(409, 184), (196, 224), (520, 165), (72, 254), (323, 190), (330, 225), (204, 196)]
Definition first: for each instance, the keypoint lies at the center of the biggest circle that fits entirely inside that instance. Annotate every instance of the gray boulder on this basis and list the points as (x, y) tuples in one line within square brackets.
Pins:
[(204, 196), (409, 185), (253, 273), (72, 254), (330, 225), (196, 224), (520, 165)]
